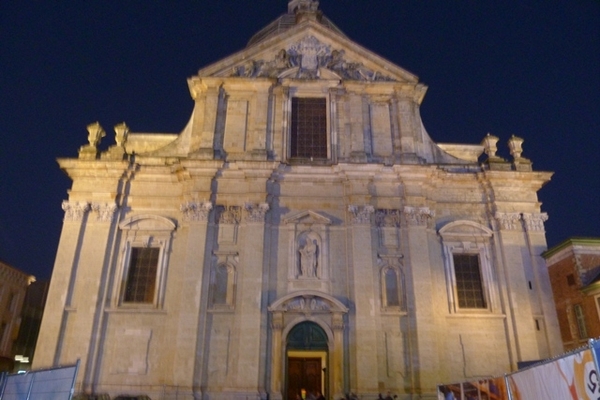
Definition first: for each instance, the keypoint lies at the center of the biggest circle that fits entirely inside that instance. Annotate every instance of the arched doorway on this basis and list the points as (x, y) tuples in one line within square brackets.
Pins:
[(304, 324), (306, 359)]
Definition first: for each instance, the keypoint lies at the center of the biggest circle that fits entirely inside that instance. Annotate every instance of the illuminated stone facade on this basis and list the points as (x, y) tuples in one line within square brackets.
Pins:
[(302, 230)]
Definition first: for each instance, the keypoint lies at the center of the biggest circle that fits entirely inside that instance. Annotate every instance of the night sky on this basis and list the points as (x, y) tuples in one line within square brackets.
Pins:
[(529, 68)]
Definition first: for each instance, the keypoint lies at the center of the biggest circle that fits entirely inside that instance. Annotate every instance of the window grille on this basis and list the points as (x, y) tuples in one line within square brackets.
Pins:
[(308, 137), (141, 276), (469, 286)]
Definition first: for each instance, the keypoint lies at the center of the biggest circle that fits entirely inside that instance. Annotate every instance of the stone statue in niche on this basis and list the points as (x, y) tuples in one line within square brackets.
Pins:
[(308, 249)]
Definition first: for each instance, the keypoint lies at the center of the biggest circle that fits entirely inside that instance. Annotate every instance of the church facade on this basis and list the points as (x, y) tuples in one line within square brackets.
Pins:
[(302, 231)]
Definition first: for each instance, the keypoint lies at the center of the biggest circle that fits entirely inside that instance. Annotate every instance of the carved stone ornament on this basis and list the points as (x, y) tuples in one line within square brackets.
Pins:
[(74, 211), (508, 221), (105, 212), (387, 218), (307, 56), (361, 215), (196, 210), (306, 304), (535, 222), (418, 215), (255, 212), (229, 214)]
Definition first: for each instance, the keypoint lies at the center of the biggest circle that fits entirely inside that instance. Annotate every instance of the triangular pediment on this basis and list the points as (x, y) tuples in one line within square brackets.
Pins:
[(307, 217), (308, 51)]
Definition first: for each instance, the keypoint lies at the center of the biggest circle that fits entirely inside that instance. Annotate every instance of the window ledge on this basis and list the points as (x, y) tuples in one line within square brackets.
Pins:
[(135, 310), (476, 315)]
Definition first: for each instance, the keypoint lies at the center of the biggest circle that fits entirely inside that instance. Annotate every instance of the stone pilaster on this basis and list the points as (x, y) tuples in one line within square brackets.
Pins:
[(549, 342), (277, 356), (60, 297), (363, 326), (337, 362), (421, 322), (93, 275), (249, 326), (514, 268), (191, 329)]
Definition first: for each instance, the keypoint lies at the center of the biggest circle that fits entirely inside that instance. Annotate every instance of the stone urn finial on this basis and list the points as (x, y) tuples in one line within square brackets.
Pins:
[(121, 132), (95, 134), (514, 144), (489, 145)]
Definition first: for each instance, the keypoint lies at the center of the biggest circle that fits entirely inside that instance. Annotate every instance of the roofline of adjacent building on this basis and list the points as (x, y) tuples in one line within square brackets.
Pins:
[(571, 242)]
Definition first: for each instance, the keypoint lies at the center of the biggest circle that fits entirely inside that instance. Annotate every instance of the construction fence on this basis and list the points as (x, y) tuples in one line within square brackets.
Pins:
[(571, 376), (47, 384)]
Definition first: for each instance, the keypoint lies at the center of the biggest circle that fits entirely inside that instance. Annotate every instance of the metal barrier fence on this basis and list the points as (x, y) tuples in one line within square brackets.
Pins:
[(48, 384), (571, 376)]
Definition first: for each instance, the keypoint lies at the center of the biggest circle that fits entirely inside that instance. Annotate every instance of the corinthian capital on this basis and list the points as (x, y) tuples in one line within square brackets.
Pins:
[(418, 216), (196, 210), (74, 211), (361, 214), (255, 212), (105, 212), (508, 221), (535, 221)]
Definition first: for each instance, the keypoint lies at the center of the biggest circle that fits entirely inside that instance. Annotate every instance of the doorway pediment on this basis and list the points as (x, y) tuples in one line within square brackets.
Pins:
[(308, 302)]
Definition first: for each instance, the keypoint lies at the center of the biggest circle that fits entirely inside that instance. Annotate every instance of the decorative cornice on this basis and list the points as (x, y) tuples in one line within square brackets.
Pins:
[(105, 212), (361, 215), (418, 216), (255, 212), (508, 221), (229, 214), (74, 211), (535, 221), (387, 218), (196, 210)]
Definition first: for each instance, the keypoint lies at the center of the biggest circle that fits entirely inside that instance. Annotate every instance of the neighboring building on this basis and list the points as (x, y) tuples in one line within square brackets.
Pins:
[(303, 230), (31, 319), (574, 268), (13, 286)]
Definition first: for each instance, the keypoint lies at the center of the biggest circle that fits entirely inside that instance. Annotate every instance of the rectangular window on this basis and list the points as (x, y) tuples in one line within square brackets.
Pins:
[(140, 286), (308, 135), (582, 330), (469, 287)]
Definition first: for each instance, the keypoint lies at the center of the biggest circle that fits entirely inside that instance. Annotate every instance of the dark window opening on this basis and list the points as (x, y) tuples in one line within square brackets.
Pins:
[(308, 137), (141, 277), (469, 286), (580, 318), (570, 279), (391, 288)]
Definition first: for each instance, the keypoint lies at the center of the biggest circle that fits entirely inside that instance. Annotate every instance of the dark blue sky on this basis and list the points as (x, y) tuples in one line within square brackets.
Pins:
[(529, 68)]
